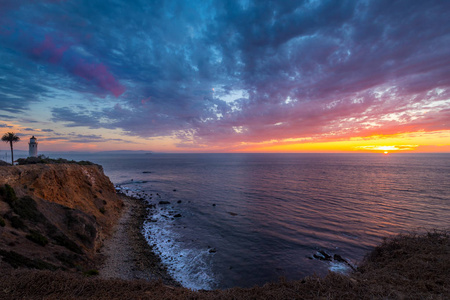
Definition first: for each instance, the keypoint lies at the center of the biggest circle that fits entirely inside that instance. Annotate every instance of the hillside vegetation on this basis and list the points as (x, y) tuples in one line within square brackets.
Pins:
[(54, 217)]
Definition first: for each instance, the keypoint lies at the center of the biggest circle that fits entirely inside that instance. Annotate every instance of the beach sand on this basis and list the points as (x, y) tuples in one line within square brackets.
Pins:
[(126, 254)]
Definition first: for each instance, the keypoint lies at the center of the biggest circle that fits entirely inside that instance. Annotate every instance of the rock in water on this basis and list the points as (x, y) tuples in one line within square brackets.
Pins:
[(339, 258), (322, 255)]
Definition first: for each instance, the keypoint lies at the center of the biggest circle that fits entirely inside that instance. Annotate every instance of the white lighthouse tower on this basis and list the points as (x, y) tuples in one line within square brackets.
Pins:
[(33, 147)]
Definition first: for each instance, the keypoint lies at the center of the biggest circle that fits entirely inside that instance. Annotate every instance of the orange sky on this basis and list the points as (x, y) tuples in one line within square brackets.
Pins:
[(438, 141)]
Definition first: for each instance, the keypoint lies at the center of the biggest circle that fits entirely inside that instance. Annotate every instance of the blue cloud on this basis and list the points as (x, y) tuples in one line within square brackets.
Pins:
[(298, 68)]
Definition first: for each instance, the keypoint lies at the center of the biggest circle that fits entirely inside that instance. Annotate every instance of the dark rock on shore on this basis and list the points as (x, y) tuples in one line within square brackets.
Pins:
[(339, 258), (164, 202), (322, 255)]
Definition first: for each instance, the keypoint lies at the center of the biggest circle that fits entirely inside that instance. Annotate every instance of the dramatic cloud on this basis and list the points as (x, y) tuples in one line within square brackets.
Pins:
[(224, 73), (72, 118)]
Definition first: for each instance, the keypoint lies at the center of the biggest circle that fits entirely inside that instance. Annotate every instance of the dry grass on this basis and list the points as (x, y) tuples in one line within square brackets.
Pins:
[(412, 266)]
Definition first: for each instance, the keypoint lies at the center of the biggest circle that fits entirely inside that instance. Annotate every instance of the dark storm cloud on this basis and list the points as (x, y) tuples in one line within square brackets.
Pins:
[(19, 84), (80, 138), (85, 138), (297, 68), (6, 117), (90, 138), (75, 118)]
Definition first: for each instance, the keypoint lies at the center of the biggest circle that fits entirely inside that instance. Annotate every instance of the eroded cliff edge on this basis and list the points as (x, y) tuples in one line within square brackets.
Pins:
[(55, 216)]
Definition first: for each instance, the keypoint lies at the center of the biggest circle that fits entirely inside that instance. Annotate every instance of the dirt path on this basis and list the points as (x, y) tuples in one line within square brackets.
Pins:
[(127, 254), (119, 251)]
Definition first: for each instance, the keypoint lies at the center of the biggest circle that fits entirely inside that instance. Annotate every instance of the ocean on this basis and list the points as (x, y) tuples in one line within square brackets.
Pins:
[(225, 220)]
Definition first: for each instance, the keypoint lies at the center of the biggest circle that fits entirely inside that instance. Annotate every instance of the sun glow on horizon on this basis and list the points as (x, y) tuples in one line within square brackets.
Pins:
[(408, 142)]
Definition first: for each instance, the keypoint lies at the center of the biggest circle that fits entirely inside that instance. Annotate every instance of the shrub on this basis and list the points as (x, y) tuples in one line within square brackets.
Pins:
[(42, 159), (27, 209), (17, 260), (17, 222), (64, 241), (2, 222), (84, 238), (85, 163), (90, 229), (71, 219), (102, 210), (67, 259), (8, 194), (89, 273), (31, 160), (37, 238), (51, 229)]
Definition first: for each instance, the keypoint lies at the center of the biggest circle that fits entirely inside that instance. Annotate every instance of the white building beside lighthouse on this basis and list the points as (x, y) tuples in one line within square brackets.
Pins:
[(33, 152)]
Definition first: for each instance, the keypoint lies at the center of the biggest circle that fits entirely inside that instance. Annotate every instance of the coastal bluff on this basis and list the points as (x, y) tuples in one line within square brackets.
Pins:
[(55, 216)]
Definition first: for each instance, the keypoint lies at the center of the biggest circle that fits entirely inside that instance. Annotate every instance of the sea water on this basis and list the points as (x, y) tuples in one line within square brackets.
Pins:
[(248, 219)]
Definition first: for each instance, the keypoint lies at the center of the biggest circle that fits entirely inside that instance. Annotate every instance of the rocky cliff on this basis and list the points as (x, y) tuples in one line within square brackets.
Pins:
[(55, 216)]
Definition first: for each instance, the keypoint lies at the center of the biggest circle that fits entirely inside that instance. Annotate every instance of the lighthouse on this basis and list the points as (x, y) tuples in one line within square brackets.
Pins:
[(33, 147)]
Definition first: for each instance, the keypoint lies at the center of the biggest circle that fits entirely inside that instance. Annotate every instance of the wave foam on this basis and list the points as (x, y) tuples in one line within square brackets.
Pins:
[(189, 266), (339, 267)]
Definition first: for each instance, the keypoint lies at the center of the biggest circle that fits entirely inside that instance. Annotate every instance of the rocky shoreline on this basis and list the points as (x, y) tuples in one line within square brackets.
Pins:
[(126, 254)]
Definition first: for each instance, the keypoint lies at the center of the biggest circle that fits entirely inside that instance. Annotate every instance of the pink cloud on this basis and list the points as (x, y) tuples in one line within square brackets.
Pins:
[(49, 50), (99, 74), (55, 48)]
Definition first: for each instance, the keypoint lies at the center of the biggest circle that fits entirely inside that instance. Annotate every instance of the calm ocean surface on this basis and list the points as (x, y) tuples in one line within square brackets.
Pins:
[(247, 219)]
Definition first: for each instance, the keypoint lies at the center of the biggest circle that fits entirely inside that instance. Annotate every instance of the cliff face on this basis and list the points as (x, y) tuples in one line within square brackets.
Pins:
[(57, 214)]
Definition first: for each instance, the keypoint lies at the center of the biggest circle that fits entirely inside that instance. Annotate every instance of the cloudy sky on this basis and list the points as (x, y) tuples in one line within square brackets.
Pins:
[(223, 76)]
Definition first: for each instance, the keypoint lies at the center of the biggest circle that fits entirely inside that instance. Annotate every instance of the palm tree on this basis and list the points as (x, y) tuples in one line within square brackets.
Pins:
[(11, 138)]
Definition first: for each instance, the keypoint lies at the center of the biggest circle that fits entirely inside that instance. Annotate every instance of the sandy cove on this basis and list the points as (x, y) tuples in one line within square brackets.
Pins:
[(126, 254)]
